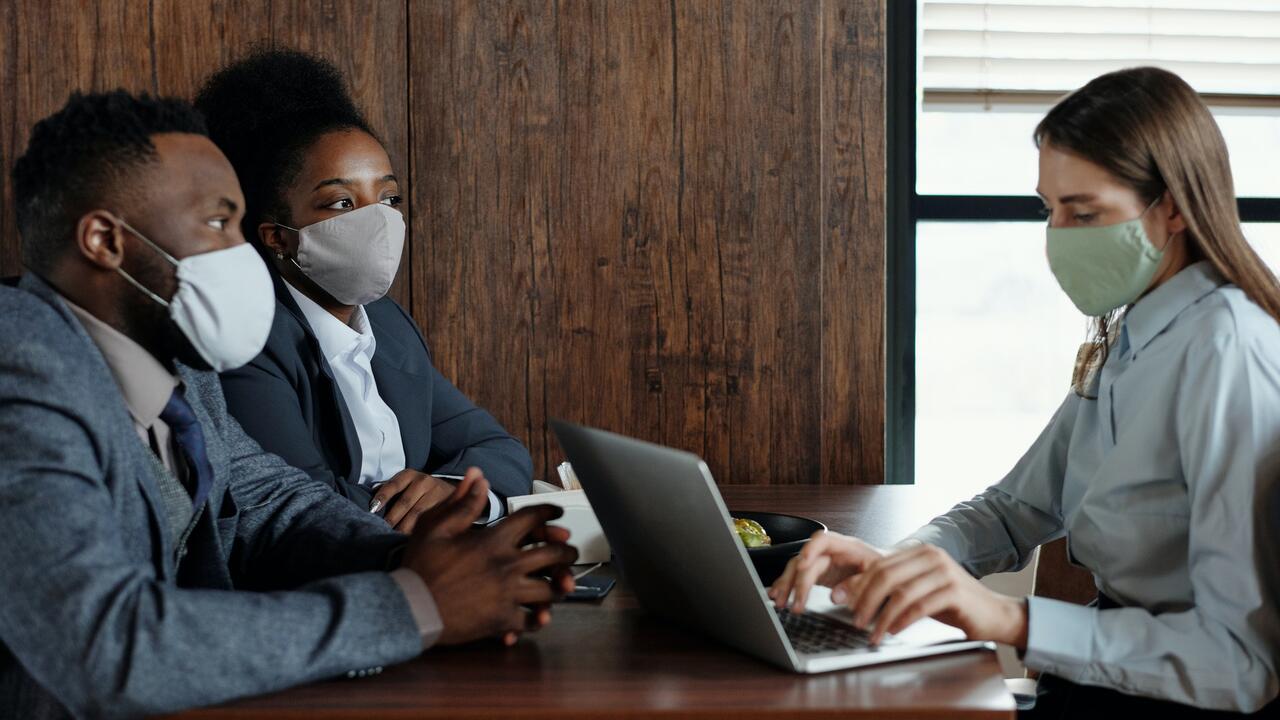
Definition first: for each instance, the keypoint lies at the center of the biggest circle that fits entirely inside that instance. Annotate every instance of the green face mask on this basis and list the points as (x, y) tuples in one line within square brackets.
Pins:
[(1103, 268)]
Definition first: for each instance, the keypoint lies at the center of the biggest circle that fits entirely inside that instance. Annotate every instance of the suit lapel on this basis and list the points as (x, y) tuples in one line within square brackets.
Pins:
[(350, 440), (407, 393), (141, 469)]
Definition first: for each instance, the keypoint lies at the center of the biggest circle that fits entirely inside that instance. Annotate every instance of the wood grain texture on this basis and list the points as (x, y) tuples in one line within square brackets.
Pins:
[(170, 46), (853, 282), (367, 42), (662, 217), (614, 661), (633, 217), (53, 49), (610, 660)]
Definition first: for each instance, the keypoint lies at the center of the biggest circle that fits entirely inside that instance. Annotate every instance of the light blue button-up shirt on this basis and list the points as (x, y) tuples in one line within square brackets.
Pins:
[(1164, 486)]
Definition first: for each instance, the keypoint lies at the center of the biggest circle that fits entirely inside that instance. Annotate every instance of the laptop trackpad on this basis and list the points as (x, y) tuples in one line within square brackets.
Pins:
[(923, 632)]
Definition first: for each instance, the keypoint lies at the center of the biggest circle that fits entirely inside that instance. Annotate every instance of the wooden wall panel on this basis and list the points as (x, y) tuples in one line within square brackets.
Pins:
[(56, 48), (664, 217), (635, 217), (365, 40), (853, 232), (170, 46)]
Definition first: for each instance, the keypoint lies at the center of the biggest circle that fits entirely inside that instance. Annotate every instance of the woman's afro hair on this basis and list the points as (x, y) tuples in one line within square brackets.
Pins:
[(264, 111)]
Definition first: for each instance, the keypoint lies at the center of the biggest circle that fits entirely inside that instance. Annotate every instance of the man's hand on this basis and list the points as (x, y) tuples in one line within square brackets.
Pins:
[(407, 495), (489, 582)]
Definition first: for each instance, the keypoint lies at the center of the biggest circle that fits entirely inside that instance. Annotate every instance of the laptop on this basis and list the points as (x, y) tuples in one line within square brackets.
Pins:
[(674, 543)]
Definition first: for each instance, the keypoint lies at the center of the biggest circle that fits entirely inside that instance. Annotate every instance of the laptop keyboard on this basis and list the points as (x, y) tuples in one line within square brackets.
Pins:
[(812, 634)]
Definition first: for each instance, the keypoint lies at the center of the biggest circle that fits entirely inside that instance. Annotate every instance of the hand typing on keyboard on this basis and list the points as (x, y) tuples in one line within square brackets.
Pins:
[(889, 592)]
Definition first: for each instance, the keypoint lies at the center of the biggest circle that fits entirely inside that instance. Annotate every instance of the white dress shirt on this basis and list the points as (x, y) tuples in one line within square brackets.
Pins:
[(144, 383), (1164, 487), (349, 349)]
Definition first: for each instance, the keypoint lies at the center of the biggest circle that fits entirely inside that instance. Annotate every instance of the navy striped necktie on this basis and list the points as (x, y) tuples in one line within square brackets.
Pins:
[(182, 422)]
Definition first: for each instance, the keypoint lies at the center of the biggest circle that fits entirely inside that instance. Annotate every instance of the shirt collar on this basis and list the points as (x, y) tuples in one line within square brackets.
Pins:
[(335, 337), (145, 383), (1160, 307)]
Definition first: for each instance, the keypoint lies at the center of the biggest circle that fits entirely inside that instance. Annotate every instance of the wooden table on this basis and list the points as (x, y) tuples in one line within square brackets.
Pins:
[(611, 660)]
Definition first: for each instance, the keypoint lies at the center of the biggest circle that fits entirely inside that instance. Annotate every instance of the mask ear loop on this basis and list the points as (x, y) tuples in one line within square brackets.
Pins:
[(282, 256), (153, 246), (1155, 202)]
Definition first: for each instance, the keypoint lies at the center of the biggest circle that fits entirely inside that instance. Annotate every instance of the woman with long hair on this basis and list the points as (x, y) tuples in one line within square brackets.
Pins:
[(1160, 465)]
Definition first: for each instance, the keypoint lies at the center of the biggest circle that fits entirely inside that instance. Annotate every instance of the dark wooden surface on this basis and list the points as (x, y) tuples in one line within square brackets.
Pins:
[(611, 660), (662, 217)]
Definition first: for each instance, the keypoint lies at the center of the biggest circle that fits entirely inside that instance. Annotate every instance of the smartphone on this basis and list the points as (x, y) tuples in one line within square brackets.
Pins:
[(590, 588)]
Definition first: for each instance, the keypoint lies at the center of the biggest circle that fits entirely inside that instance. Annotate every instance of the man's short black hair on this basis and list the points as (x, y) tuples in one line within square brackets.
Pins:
[(82, 158)]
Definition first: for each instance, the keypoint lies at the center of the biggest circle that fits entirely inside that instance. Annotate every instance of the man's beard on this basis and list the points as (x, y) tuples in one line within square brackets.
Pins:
[(182, 349), (149, 323)]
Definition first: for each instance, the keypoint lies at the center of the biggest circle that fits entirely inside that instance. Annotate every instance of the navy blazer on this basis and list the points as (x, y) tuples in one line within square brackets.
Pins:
[(287, 400)]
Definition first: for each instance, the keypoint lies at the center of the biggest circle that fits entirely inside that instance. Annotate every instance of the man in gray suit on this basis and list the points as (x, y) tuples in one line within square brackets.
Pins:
[(153, 557)]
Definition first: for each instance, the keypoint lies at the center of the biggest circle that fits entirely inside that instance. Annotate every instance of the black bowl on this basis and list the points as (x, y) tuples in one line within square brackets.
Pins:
[(788, 533)]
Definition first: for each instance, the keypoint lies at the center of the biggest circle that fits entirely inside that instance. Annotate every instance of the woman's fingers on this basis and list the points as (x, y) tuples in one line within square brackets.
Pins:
[(846, 590), (389, 489), (826, 559), (437, 494), (407, 498), (806, 577), (780, 591), (818, 545), (927, 605), (886, 576), (455, 515), (817, 553), (903, 599)]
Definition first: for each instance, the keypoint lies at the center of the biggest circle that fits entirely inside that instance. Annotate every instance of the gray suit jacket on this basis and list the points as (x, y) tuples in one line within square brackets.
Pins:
[(280, 582)]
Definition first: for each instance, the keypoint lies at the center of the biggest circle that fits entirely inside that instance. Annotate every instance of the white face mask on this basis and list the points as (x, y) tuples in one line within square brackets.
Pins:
[(224, 304), (353, 256)]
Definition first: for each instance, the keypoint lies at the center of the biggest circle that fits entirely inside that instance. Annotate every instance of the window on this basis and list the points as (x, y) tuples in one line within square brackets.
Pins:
[(981, 340)]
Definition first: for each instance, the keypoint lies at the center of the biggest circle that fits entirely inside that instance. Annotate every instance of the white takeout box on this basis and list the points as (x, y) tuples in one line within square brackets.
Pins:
[(579, 519)]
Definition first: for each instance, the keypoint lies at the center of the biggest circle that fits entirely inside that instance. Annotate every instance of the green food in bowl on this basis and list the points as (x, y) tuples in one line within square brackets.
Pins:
[(751, 533)]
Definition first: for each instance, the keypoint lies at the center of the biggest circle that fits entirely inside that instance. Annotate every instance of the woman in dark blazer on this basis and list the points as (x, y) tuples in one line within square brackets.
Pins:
[(345, 388)]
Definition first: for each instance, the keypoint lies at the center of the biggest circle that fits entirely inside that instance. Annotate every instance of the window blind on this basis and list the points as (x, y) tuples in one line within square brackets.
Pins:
[(1035, 47)]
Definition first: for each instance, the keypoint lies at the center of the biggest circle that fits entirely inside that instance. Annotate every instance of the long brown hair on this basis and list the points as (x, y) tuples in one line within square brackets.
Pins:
[(1150, 130)]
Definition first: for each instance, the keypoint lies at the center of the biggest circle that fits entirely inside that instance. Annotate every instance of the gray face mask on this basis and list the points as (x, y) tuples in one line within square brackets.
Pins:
[(353, 256)]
